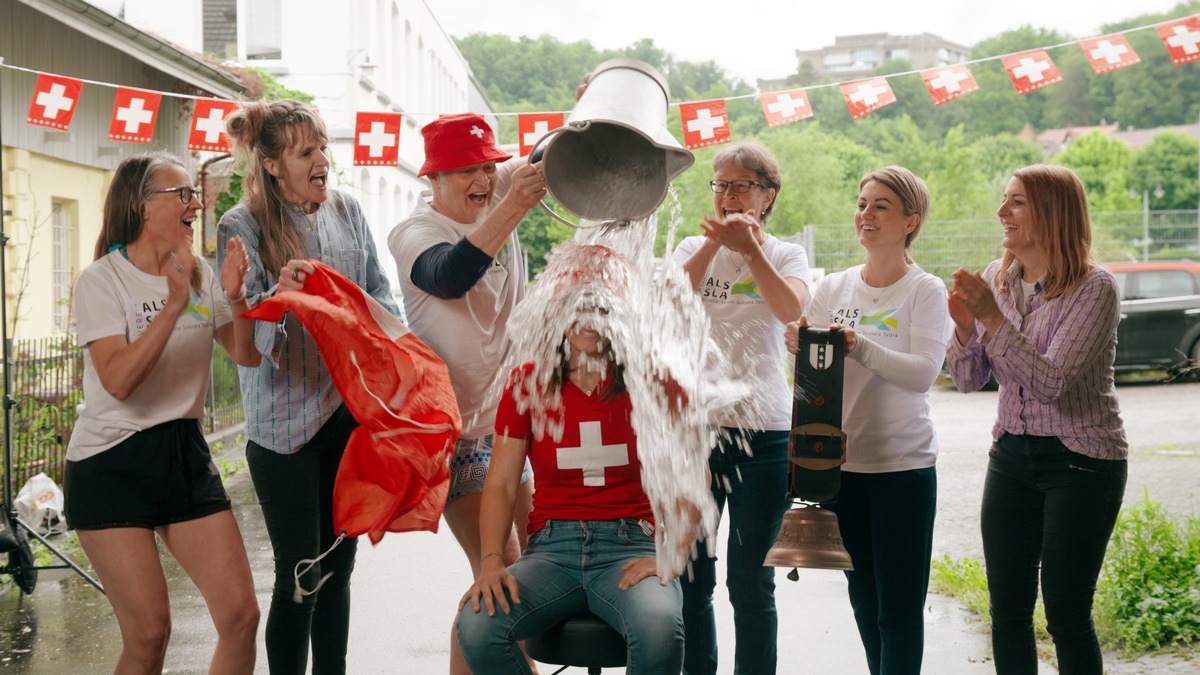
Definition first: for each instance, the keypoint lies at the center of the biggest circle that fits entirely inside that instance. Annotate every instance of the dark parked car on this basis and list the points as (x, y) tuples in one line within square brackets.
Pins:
[(1160, 315)]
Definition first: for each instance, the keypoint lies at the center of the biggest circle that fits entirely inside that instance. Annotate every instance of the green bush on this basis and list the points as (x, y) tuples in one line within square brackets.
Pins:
[(966, 581), (1149, 595)]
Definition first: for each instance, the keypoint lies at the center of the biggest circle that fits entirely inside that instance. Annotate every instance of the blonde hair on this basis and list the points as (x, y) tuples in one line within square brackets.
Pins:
[(913, 194), (262, 131)]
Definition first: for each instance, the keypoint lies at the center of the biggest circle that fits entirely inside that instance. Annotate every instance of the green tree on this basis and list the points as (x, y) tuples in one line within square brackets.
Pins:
[(1169, 162), (1101, 163)]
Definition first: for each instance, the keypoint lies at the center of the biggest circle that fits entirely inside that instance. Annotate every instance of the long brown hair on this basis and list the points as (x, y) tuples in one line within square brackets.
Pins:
[(1060, 224), (124, 205), (262, 131), (913, 194)]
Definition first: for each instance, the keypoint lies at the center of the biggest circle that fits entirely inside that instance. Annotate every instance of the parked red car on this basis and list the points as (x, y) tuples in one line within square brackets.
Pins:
[(1160, 316)]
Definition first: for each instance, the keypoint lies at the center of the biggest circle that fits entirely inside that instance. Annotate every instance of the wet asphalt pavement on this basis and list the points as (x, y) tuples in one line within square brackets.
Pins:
[(405, 589)]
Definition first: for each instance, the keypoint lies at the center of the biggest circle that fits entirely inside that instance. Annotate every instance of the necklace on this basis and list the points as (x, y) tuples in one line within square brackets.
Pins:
[(862, 275)]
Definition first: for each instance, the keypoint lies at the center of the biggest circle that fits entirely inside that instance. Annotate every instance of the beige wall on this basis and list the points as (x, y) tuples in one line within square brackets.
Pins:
[(32, 183)]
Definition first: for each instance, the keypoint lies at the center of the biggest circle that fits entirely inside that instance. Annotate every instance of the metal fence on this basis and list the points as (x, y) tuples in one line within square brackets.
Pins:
[(944, 246), (47, 387), (47, 374)]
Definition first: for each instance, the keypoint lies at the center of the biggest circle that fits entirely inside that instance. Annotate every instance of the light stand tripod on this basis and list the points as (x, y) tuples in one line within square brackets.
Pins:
[(20, 565)]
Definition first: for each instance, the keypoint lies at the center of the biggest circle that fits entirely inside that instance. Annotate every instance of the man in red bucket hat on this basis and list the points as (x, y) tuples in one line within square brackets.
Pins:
[(461, 273)]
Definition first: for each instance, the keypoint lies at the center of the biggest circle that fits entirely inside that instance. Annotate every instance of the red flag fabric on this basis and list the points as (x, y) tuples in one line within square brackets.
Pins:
[(1030, 71), (377, 139), (208, 125), (785, 107), (133, 116), (1109, 53), (532, 126), (946, 83), (395, 473), (54, 101), (704, 123), (1182, 38), (864, 97)]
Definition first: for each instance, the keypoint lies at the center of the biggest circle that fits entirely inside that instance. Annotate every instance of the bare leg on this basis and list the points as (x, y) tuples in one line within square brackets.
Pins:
[(211, 551), (126, 560), (462, 515)]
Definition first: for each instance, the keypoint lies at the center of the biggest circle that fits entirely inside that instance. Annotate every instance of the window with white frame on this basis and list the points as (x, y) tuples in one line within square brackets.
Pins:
[(62, 271)]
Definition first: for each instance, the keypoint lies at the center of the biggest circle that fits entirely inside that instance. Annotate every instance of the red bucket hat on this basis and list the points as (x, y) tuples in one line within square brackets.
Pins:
[(455, 141)]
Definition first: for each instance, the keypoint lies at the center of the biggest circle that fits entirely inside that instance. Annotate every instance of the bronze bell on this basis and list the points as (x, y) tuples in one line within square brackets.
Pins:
[(809, 537)]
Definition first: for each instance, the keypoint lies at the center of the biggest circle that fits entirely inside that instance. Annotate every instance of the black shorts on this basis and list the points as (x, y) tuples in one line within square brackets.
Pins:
[(159, 476)]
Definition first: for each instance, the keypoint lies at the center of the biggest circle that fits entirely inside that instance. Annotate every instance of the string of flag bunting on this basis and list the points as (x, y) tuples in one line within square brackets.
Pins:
[(704, 123)]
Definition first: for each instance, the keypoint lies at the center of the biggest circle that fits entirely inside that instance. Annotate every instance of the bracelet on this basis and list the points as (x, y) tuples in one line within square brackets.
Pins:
[(488, 555)]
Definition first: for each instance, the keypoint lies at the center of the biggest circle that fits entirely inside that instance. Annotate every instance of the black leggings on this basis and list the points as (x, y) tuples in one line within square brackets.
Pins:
[(296, 494), (1050, 510)]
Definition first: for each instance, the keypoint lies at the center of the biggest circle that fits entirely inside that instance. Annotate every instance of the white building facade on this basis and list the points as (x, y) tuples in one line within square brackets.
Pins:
[(360, 55)]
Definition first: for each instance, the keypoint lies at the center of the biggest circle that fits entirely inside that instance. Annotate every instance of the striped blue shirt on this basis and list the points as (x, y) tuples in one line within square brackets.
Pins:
[(290, 395)]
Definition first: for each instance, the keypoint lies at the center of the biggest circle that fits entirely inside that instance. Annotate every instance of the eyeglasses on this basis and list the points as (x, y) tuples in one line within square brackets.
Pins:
[(185, 193), (738, 186)]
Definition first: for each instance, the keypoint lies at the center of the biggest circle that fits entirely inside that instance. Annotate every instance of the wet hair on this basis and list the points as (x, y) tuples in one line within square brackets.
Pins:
[(1060, 224), (260, 131), (613, 382), (757, 158), (124, 205), (913, 194)]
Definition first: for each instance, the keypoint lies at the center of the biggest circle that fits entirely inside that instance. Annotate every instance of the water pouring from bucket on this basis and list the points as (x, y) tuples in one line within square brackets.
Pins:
[(614, 159)]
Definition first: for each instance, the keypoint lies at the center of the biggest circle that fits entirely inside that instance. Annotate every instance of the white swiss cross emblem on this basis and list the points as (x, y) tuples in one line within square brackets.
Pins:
[(592, 456)]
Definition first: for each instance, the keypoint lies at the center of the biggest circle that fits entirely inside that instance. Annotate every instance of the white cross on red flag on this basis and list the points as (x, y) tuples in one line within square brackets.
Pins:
[(705, 123), (54, 101), (133, 116), (1108, 53), (864, 97), (377, 139), (785, 107), (1182, 38), (531, 127), (208, 125), (946, 83), (1030, 71)]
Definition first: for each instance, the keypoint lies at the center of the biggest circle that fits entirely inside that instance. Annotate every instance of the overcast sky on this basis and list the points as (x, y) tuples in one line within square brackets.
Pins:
[(758, 39)]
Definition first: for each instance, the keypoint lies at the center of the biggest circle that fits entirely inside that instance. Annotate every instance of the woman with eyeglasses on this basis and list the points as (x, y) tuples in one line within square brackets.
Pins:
[(296, 422), (752, 284), (147, 312)]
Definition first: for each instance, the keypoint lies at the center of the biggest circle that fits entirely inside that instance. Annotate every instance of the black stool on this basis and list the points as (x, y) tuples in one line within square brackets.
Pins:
[(583, 640)]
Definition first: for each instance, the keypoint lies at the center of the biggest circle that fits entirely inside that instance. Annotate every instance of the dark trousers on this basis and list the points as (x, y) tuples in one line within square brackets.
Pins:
[(886, 521), (296, 494), (1044, 505), (755, 486)]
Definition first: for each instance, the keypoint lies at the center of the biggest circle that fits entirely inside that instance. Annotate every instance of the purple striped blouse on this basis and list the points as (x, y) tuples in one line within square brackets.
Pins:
[(1054, 364)]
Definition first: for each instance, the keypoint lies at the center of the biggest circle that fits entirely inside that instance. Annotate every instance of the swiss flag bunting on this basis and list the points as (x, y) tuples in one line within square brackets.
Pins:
[(377, 139), (133, 116), (208, 125), (1182, 38), (1030, 71), (55, 99), (1109, 53), (864, 97), (531, 127), (946, 83), (704, 123), (784, 107)]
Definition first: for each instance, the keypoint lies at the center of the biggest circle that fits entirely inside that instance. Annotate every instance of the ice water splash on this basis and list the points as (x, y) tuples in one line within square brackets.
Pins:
[(676, 376)]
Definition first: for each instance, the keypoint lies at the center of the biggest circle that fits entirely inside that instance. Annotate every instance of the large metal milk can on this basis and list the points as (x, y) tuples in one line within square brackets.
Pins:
[(614, 158)]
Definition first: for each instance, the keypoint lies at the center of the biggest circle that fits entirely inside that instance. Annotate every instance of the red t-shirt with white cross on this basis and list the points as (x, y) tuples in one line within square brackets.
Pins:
[(593, 473)]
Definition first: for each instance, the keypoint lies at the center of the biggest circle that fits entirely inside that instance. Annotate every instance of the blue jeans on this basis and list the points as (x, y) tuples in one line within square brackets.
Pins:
[(296, 495), (1044, 505), (570, 567), (886, 521), (755, 486)]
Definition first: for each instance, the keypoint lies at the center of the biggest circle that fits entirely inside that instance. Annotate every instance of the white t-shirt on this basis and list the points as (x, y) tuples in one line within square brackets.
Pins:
[(888, 426), (112, 297), (743, 324), (467, 332)]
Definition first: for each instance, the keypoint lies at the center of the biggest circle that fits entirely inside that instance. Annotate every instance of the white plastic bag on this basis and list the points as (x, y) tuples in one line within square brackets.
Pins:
[(40, 504)]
